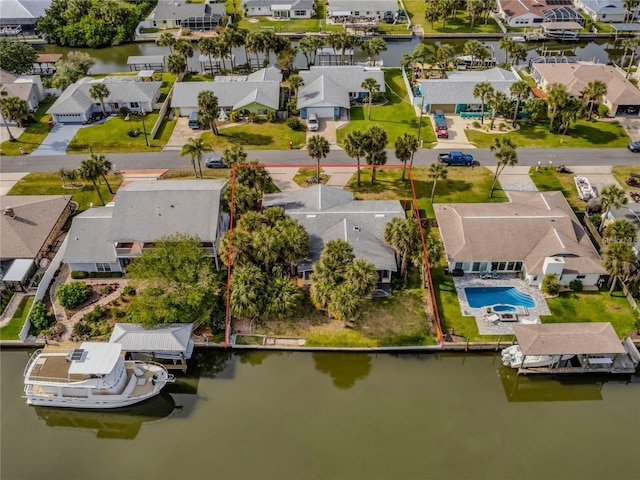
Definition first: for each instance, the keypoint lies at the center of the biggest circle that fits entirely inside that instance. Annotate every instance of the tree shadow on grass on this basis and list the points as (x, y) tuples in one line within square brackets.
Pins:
[(247, 138), (593, 134)]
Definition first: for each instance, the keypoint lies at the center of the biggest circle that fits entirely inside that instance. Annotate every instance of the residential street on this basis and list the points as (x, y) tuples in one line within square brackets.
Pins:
[(172, 159)]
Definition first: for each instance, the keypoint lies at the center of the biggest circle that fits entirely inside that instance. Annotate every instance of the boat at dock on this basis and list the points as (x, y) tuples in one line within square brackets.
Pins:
[(585, 190), (92, 375)]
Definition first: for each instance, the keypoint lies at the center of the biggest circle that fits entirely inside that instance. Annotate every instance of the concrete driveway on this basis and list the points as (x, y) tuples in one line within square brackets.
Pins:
[(58, 140), (181, 134), (457, 139), (327, 128)]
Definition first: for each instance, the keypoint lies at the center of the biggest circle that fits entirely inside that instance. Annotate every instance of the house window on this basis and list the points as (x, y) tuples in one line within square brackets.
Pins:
[(476, 267), (262, 111), (581, 277), (356, 14), (103, 267), (134, 105), (458, 266), (299, 13), (511, 266)]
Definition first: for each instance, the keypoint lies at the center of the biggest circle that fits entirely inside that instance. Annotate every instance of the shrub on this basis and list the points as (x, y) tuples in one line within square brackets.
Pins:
[(77, 275), (253, 117), (106, 290), (271, 116), (70, 295), (5, 298), (129, 290), (476, 124), (234, 116), (550, 284), (123, 111), (118, 313), (81, 329), (502, 126), (40, 318), (603, 110), (186, 32), (596, 219), (294, 123), (98, 313), (576, 286), (156, 77), (105, 274)]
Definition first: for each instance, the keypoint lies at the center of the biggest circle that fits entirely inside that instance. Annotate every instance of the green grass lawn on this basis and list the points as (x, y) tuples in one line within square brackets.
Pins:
[(315, 24), (194, 77), (461, 24), (462, 185), (112, 136), (397, 116), (257, 136), (304, 173), (50, 184), (12, 329), (187, 173), (583, 134), (592, 307), (547, 179), (622, 173), (34, 134)]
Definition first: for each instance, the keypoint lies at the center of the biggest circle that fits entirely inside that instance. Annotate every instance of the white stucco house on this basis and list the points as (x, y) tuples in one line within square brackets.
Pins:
[(279, 9)]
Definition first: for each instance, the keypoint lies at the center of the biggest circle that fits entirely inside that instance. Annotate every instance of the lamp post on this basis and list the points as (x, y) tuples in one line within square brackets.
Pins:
[(144, 128)]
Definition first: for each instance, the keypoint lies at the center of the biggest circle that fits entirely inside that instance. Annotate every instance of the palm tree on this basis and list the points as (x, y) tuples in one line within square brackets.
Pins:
[(519, 90), (505, 151), (431, 13), (167, 40), (633, 55), (620, 231), (507, 44), (195, 148), (343, 303), (474, 8), (593, 92), (247, 284), (437, 171), (611, 196), (242, 247), (354, 147), (99, 91), (444, 8), (295, 242), (176, 64), (185, 50), (557, 98), (295, 81), (445, 55), (66, 174), (361, 276), (475, 50), (208, 47), (573, 111), (13, 109), (318, 147), (208, 109), (482, 90), (105, 167), (234, 155), (375, 145), (406, 146), (92, 171), (619, 260), (371, 86), (628, 44), (498, 101), (373, 47), (403, 234), (267, 246), (281, 297), (309, 47), (435, 248)]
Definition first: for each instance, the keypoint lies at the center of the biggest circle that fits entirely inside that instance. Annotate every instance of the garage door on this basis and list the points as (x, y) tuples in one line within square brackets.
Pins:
[(321, 112)]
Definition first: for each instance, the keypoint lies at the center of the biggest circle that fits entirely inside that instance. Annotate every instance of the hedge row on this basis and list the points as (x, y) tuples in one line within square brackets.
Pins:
[(80, 274)]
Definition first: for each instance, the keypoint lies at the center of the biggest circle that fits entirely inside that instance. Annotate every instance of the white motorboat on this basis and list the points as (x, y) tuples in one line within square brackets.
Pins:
[(585, 190), (512, 357), (93, 375)]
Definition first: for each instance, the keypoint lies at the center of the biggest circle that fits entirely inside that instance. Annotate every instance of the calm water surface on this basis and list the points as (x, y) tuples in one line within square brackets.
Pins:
[(333, 416)]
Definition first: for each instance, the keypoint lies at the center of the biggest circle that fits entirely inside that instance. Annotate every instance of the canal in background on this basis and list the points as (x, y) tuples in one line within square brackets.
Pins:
[(285, 415), (114, 59)]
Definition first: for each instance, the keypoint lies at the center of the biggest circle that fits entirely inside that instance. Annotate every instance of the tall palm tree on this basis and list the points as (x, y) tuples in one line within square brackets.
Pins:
[(519, 90), (435, 248), (354, 147), (234, 155), (295, 81), (445, 7), (505, 152), (557, 98), (406, 146), (445, 55), (176, 64), (208, 109), (185, 50), (373, 47), (318, 147), (13, 109), (208, 47), (431, 13), (573, 111), (403, 234), (105, 167), (361, 276), (633, 56), (437, 171), (474, 8), (619, 260), (281, 297), (371, 86), (506, 44), (92, 171), (593, 92), (611, 196), (375, 145), (99, 91), (295, 242), (628, 44), (247, 284), (267, 245), (67, 175), (620, 231), (167, 40), (482, 91), (498, 101), (195, 148)]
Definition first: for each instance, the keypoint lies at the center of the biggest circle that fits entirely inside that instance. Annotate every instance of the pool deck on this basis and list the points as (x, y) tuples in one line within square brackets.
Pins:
[(487, 326)]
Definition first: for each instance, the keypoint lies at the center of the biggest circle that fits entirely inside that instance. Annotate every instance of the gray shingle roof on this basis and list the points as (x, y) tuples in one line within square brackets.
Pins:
[(568, 338), (148, 210), (350, 77), (179, 10), (166, 338), (362, 6), (329, 213), (458, 87), (22, 12), (323, 92), (88, 237), (293, 4)]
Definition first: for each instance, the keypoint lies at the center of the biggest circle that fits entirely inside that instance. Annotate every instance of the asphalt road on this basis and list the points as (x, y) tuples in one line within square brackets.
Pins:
[(172, 159)]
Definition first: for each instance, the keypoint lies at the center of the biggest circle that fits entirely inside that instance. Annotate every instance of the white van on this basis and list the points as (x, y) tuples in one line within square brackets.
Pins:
[(193, 121), (312, 122)]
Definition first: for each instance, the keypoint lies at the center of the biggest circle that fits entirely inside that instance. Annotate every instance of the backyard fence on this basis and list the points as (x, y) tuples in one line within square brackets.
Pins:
[(162, 113)]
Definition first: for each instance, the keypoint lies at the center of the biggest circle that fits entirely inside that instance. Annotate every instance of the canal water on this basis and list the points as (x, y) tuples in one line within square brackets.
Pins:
[(114, 59), (285, 415)]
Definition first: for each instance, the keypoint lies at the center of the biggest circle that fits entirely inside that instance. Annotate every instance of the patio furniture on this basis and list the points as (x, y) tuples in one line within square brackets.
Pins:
[(494, 317), (494, 275)]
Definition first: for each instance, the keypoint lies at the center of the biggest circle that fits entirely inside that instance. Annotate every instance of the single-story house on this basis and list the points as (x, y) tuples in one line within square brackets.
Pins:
[(183, 14), (278, 8), (518, 13), (105, 239), (454, 94), (606, 11), (75, 105), (631, 213), (30, 228), (26, 87), (19, 16), (622, 96), (257, 93), (357, 10), (536, 233), (329, 90), (330, 213)]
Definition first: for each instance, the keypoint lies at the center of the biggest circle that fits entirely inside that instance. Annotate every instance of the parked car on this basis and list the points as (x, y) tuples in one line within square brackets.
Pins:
[(215, 162), (193, 121), (634, 146), (455, 158), (442, 131), (312, 122)]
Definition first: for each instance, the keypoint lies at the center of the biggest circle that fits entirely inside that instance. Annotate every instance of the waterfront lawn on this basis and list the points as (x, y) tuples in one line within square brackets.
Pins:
[(50, 184), (113, 136), (397, 116), (299, 25), (547, 179), (34, 134), (622, 173), (256, 136), (11, 330), (592, 307), (583, 134), (461, 24), (462, 185)]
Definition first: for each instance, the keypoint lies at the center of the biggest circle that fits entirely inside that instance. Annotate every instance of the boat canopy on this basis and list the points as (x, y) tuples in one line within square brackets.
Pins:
[(94, 358), (134, 337)]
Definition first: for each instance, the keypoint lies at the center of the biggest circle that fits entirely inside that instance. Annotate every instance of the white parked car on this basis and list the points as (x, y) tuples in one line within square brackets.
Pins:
[(312, 122)]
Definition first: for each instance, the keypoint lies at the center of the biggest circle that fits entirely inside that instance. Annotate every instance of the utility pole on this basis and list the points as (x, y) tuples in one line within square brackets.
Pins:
[(144, 128)]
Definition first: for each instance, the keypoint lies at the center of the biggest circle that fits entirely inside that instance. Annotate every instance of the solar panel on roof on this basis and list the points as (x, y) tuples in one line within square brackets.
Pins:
[(77, 354)]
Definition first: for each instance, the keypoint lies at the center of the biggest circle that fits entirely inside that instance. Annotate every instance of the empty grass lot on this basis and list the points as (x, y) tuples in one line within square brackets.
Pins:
[(397, 116), (12, 329), (582, 134), (34, 134), (256, 136)]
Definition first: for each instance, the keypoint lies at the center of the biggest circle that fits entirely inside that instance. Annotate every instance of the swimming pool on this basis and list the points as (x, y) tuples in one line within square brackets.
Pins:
[(502, 297)]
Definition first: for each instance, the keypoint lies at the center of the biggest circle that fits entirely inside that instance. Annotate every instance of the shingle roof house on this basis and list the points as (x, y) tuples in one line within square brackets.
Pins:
[(607, 11), (278, 8), (26, 87), (103, 239), (536, 232), (180, 13), (22, 12), (329, 213)]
